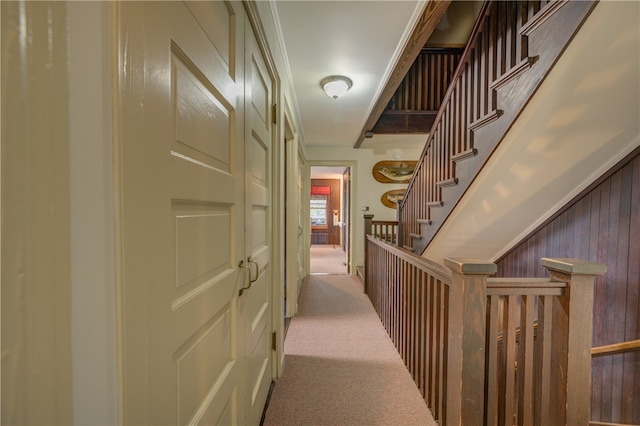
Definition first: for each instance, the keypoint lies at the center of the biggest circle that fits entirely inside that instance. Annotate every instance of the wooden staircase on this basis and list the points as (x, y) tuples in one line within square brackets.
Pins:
[(512, 48)]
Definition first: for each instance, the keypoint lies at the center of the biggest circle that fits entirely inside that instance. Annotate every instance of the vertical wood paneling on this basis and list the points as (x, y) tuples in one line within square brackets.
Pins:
[(602, 225)]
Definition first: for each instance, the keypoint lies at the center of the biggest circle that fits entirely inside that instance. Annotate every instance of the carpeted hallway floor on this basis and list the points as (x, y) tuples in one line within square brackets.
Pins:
[(341, 368), (327, 259)]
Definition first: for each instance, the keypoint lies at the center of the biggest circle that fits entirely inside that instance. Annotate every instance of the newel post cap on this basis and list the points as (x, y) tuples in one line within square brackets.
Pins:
[(470, 266), (574, 266)]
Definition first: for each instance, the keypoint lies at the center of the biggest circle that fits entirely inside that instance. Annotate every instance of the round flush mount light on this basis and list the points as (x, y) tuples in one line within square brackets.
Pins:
[(336, 85)]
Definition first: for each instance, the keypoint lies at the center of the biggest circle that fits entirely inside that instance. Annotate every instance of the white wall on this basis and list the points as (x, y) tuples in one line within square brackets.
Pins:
[(366, 191)]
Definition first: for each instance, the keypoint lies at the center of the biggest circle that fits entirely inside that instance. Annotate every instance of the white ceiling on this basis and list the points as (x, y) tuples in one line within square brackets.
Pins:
[(358, 39)]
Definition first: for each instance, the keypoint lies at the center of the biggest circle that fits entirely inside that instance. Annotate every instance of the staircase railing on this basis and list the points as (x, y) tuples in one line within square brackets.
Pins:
[(513, 46), (486, 351), (386, 230)]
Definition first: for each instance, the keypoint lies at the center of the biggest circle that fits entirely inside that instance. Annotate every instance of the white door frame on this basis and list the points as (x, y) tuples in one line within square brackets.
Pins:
[(293, 222), (307, 211)]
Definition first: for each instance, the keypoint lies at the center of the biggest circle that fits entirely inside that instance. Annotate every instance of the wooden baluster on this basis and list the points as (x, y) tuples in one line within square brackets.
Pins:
[(492, 384), (466, 354)]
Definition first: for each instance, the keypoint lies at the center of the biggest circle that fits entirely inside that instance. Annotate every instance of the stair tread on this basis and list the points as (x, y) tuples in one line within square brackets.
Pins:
[(464, 155), (447, 182)]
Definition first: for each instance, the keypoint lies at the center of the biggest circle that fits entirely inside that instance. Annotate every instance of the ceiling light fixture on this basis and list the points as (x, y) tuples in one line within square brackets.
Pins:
[(336, 85)]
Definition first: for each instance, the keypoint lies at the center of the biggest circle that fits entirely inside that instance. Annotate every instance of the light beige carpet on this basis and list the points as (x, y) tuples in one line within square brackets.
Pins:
[(341, 368), (327, 259)]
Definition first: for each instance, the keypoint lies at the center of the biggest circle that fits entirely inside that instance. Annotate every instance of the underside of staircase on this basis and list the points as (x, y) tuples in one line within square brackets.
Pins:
[(520, 131)]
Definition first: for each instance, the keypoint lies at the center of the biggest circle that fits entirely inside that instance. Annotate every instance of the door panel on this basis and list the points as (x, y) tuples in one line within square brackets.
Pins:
[(181, 162), (257, 302)]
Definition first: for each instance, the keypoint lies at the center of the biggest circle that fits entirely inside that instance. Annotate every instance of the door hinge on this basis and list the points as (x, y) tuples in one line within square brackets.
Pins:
[(274, 341), (274, 114)]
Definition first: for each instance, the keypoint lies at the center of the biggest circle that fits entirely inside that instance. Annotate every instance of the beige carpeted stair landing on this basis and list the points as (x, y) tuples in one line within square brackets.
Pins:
[(341, 368)]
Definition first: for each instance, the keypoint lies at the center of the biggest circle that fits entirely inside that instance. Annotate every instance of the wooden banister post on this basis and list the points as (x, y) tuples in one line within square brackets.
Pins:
[(572, 320), (368, 225), (466, 340)]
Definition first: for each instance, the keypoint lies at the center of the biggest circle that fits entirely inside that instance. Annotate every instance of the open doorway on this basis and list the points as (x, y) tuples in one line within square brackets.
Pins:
[(329, 207)]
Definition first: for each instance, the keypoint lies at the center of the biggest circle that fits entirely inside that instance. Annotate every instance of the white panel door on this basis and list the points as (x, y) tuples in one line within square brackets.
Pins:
[(181, 223), (255, 303)]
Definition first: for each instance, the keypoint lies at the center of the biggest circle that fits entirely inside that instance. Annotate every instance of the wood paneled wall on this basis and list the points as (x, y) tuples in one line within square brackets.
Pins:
[(331, 235), (602, 225)]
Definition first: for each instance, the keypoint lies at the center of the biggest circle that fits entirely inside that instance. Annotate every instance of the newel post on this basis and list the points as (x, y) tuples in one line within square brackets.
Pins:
[(466, 354), (572, 320), (368, 226)]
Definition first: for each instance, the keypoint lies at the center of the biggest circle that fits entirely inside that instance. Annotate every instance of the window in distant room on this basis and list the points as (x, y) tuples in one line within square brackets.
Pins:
[(319, 206)]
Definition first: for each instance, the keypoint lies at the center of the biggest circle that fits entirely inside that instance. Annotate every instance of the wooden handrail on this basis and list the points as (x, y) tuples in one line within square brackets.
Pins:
[(437, 270), (385, 222), (616, 348)]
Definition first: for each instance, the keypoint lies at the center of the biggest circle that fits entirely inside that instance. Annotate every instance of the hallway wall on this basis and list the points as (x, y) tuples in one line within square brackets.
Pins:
[(366, 191)]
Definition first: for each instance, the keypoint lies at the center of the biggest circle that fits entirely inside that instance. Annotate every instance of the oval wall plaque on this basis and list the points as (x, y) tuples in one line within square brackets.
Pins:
[(393, 171), (392, 198)]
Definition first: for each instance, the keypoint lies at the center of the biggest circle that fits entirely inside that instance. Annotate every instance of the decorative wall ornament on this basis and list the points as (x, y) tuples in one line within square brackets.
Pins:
[(392, 198), (393, 171)]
